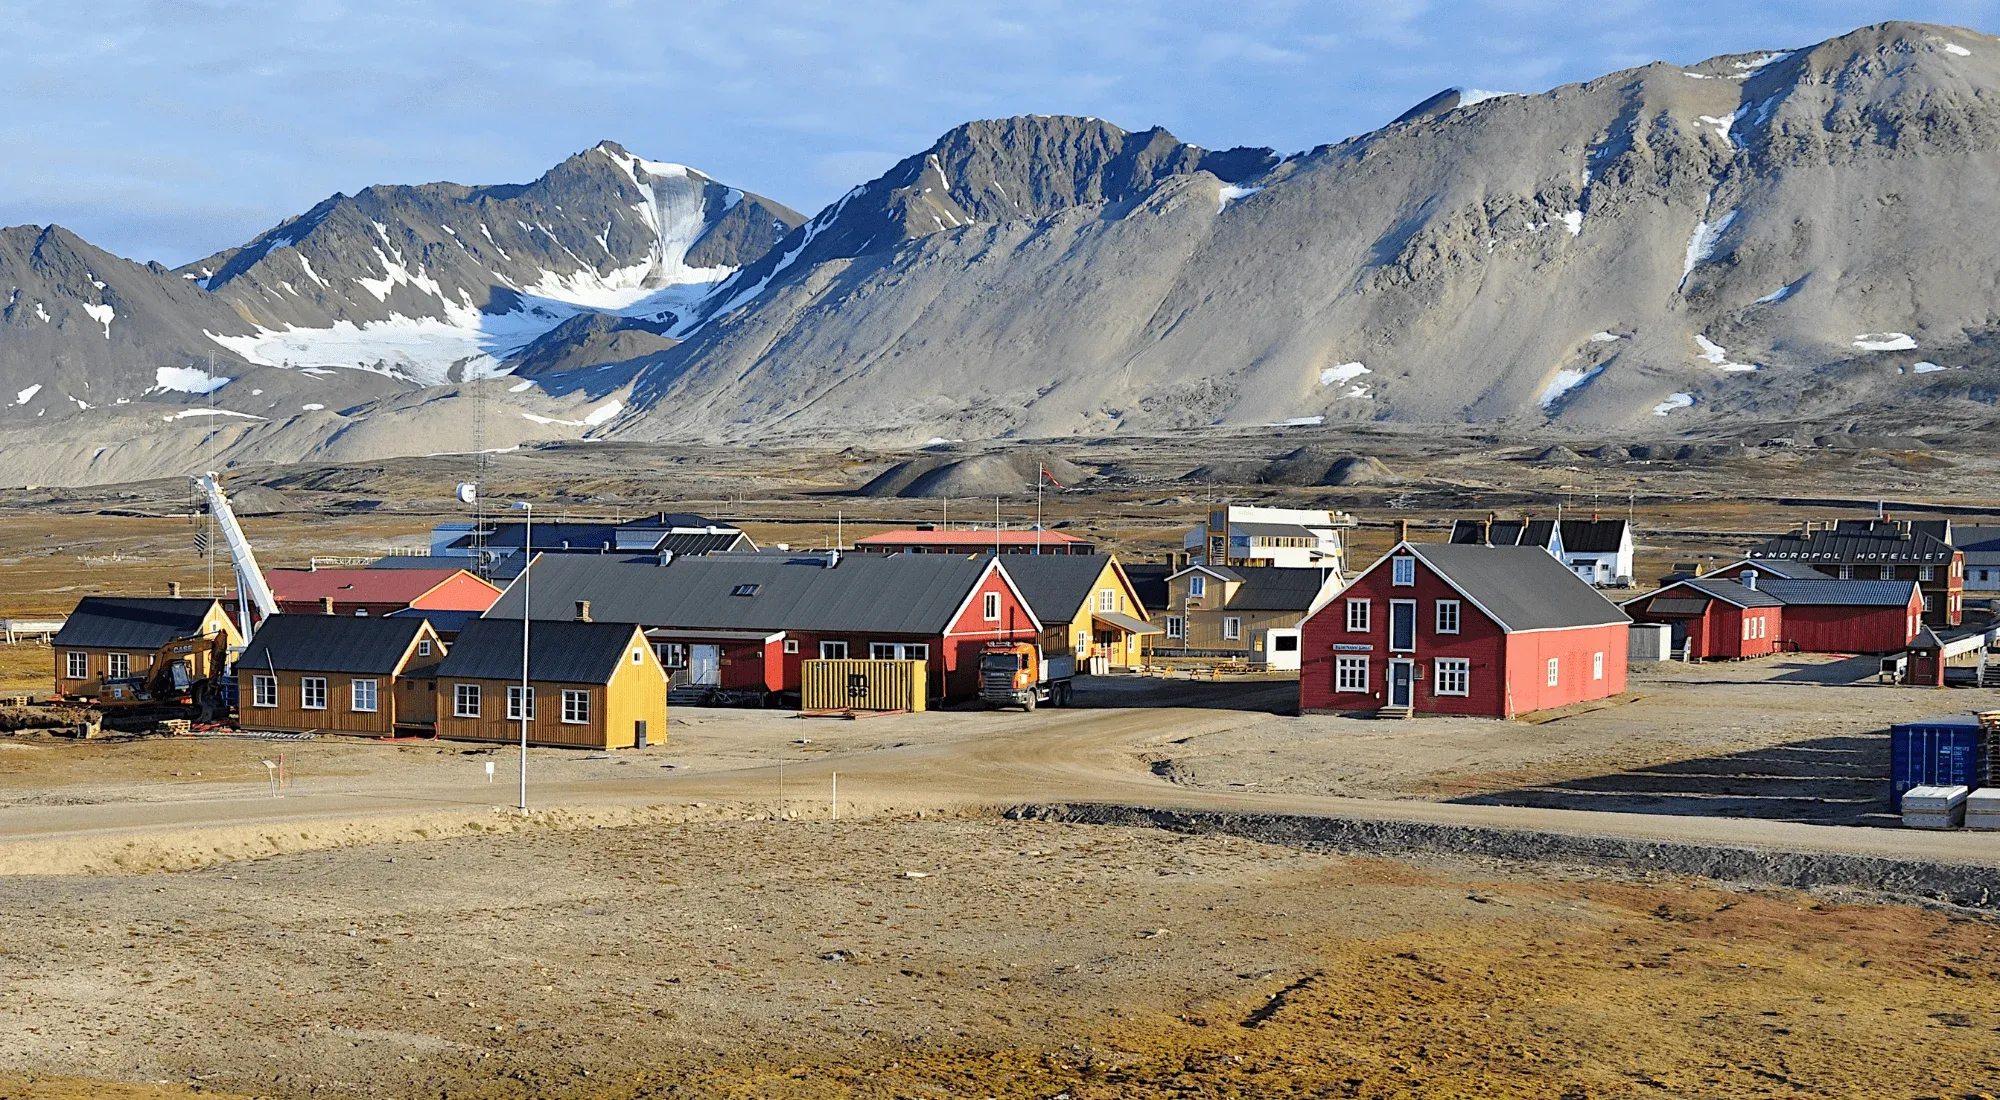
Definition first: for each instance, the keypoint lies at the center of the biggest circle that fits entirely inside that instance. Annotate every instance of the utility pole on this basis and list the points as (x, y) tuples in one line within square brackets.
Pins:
[(527, 605)]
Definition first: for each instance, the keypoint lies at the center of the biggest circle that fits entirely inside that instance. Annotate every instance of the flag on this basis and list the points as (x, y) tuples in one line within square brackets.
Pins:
[(1051, 477)]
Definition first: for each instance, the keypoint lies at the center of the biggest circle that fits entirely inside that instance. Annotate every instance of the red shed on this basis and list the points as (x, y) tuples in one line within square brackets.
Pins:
[(1714, 617), (1819, 614), (1462, 629)]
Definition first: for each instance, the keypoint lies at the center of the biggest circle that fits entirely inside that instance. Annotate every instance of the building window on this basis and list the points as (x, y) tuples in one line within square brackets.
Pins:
[(882, 651), (1555, 670), (993, 607), (1403, 571), (465, 701), (1107, 599), (1176, 627), (1847, 572), (1197, 587), (1597, 666), (312, 693), (833, 651), (1357, 616), (1447, 616), (791, 645), (423, 647), (744, 590), (361, 696), (1232, 628), (1888, 572), (576, 707), (360, 612), (1927, 603), (263, 690), (514, 708), (117, 665), (1350, 674), (639, 656), (77, 664), (899, 651), (1926, 572), (1454, 676)]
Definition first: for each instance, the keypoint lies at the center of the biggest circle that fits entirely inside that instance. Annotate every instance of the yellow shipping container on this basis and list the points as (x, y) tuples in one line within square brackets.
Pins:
[(863, 685)]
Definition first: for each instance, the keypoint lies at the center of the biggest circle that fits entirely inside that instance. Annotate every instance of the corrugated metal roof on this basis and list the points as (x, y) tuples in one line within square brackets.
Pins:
[(559, 651), (970, 540), (444, 622), (1504, 532), (1149, 582), (1593, 536), (1729, 591), (1056, 586), (1828, 592), (118, 622), (1278, 589), (1274, 530), (866, 593), (1523, 587), (1775, 568), (356, 585), (1851, 545), (331, 643), (1677, 605)]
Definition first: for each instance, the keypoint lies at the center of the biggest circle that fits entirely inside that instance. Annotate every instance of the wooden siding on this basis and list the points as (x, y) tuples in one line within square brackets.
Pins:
[(339, 716), (205, 651), (1527, 656), (636, 692)]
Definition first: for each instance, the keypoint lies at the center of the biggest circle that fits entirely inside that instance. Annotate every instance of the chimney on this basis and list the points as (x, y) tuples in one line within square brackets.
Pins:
[(666, 557), (1402, 530), (326, 605), (174, 590), (1750, 579), (832, 558), (583, 611)]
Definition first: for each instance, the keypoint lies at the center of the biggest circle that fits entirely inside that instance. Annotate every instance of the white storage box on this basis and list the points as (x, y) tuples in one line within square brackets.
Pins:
[(1982, 808), (1934, 807)]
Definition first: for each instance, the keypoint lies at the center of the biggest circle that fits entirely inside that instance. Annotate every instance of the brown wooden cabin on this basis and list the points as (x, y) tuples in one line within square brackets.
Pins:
[(591, 685), (339, 674), (111, 646)]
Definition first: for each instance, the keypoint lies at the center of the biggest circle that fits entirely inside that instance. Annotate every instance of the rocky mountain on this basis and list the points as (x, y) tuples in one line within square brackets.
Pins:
[(1799, 241), (1769, 236)]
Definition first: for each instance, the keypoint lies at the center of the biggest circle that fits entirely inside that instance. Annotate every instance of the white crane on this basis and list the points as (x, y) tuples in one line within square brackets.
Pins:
[(250, 584)]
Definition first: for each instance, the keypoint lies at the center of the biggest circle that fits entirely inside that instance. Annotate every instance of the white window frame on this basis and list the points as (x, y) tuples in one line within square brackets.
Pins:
[(263, 690), (881, 651), (1350, 674), (117, 665), (465, 700), (1402, 571), (1232, 628), (833, 651), (672, 655), (1412, 647), (423, 647), (311, 688), (1447, 671), (1846, 573), (1107, 600), (992, 607), (1597, 666), (1359, 616), (1888, 572), (791, 645), (639, 656), (77, 664), (514, 702), (575, 707), (1197, 587), (1447, 624), (1926, 572), (1176, 627), (355, 692), (1555, 672)]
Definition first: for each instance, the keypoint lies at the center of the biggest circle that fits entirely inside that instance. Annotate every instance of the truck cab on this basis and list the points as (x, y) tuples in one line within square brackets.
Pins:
[(1018, 674)]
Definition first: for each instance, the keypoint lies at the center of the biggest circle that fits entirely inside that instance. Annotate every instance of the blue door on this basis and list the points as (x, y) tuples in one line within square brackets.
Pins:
[(1400, 676)]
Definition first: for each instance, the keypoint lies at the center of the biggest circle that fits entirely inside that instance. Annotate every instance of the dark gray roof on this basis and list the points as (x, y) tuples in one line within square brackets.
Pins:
[(865, 593), (1149, 582), (1056, 586), (1772, 567), (596, 538), (1222, 571), (1505, 532), (1857, 541), (1277, 589), (1825, 591), (420, 561), (1593, 536), (1522, 587), (1673, 605), (330, 643), (442, 621), (1274, 530), (118, 622), (1732, 591), (560, 651)]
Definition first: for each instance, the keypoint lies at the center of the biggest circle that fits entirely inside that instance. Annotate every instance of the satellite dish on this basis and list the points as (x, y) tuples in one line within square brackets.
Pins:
[(467, 492)]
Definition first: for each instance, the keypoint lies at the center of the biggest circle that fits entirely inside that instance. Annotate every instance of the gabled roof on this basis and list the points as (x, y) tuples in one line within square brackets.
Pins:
[(1857, 541), (331, 643), (1825, 591), (1505, 532), (442, 621), (118, 622), (1278, 589), (1149, 583), (864, 593), (1222, 572), (358, 585), (1728, 591), (560, 651), (1519, 587), (1057, 586), (1593, 536), (1773, 567)]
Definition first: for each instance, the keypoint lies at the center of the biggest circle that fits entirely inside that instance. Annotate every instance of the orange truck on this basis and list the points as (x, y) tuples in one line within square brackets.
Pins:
[(1018, 674)]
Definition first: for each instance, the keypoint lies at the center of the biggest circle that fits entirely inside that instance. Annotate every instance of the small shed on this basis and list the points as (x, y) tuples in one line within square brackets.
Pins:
[(590, 685), (1714, 618), (339, 674)]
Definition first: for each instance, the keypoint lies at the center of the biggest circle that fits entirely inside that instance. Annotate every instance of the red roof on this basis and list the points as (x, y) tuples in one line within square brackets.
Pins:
[(970, 539), (357, 585)]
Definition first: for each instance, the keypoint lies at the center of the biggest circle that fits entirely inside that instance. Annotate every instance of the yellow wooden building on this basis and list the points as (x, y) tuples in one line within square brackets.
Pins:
[(1252, 614), (111, 642), (590, 685), (1087, 607), (339, 674)]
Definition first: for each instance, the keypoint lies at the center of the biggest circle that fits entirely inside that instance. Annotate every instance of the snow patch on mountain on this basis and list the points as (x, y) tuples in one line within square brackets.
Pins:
[(188, 380), (27, 395), (1885, 341), (1567, 379), (1330, 376)]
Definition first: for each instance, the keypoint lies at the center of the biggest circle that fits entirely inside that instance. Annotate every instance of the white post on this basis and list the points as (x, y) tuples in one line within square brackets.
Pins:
[(836, 798)]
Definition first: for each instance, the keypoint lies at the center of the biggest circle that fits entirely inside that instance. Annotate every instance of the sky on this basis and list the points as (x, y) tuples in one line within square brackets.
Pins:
[(170, 129)]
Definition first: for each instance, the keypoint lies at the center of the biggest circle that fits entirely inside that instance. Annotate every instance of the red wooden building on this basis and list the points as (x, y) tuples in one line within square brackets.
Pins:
[(1462, 629), (379, 592), (1785, 612), (746, 622)]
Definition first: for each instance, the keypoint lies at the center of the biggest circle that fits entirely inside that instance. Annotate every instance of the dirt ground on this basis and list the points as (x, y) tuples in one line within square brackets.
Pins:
[(963, 958)]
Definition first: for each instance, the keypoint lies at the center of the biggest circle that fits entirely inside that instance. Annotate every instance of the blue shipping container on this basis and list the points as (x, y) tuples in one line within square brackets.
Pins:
[(1939, 752)]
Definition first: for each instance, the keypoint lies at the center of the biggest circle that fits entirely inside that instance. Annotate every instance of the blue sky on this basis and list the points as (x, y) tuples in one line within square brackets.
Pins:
[(172, 128)]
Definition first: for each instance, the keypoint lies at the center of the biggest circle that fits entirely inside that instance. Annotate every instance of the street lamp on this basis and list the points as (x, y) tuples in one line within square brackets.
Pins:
[(527, 603)]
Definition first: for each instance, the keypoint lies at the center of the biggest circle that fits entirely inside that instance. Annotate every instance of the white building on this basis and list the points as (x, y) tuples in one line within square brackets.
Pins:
[(1289, 538), (1598, 550)]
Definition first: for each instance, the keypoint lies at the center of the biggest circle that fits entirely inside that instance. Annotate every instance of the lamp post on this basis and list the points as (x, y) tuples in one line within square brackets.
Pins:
[(527, 604)]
